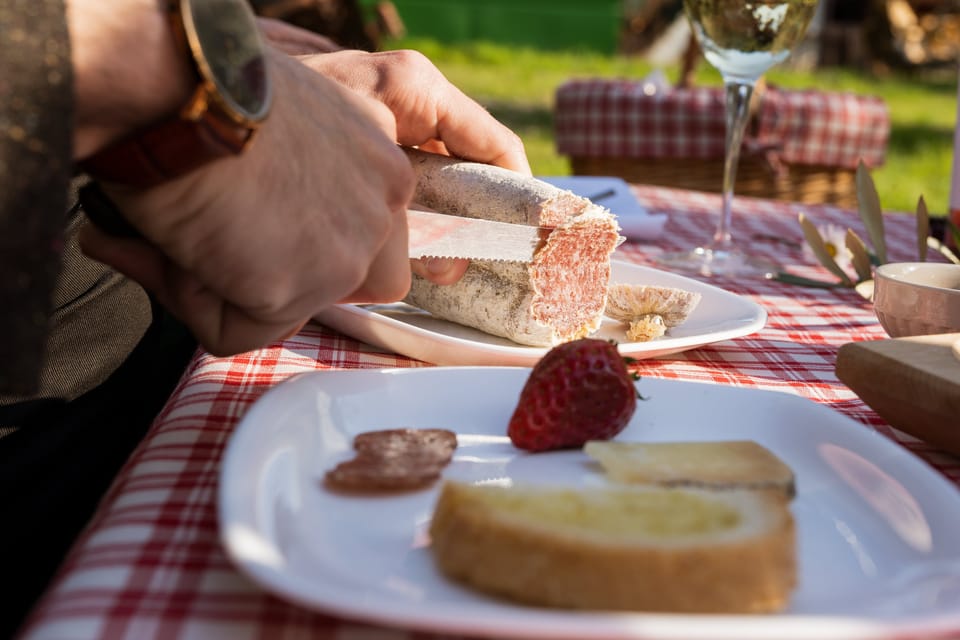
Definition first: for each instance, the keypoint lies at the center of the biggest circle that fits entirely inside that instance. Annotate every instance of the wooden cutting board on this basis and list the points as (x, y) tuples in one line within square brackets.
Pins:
[(914, 383)]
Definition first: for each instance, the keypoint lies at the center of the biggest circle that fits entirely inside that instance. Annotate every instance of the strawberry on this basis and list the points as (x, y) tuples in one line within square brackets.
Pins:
[(579, 391)]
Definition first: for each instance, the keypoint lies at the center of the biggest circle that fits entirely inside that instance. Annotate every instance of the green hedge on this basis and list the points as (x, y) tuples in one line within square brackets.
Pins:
[(592, 25)]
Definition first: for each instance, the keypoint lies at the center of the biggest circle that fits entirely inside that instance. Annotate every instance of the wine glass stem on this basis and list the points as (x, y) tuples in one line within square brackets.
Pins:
[(737, 113)]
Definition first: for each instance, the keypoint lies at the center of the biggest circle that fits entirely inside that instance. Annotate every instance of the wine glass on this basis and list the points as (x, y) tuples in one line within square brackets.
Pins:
[(741, 39)]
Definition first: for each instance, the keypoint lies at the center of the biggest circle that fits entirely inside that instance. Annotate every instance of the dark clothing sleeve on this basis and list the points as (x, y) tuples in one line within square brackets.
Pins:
[(66, 322), (36, 107), (85, 362)]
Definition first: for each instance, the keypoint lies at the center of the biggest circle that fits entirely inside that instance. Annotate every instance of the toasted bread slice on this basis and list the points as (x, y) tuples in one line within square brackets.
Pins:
[(619, 547), (730, 464)]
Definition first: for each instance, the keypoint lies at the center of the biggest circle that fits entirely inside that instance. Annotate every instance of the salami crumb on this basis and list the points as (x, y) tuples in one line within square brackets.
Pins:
[(394, 460)]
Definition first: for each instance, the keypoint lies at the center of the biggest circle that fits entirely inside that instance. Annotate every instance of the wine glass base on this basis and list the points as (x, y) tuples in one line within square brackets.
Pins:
[(719, 262)]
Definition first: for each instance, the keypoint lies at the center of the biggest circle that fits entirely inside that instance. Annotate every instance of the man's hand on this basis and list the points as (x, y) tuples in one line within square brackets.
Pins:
[(247, 249), (431, 114), (293, 40)]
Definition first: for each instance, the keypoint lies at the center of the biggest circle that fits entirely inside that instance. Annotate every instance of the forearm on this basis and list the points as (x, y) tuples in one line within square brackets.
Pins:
[(128, 70)]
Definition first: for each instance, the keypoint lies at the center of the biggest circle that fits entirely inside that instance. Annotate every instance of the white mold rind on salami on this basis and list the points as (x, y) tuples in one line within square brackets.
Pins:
[(491, 296), (475, 190), (560, 295), (629, 302)]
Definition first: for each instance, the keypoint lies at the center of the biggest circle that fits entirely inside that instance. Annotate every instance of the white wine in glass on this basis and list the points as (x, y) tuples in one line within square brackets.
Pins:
[(742, 40)]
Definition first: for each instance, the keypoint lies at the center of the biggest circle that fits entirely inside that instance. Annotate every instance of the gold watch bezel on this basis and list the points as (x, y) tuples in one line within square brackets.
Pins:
[(211, 91)]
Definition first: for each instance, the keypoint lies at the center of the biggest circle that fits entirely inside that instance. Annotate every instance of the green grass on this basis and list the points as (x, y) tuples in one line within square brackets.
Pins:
[(517, 85)]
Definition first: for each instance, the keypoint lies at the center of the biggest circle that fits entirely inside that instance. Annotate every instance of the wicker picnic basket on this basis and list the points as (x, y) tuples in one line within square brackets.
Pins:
[(801, 146)]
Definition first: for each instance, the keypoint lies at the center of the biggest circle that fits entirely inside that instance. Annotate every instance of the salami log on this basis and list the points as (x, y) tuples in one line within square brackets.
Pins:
[(558, 296)]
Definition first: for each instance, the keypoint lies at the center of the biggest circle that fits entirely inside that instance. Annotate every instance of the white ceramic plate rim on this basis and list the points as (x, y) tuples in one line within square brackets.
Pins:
[(260, 550), (402, 329)]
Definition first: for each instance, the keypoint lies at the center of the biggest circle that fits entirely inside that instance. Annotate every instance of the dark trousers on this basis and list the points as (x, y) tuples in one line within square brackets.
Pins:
[(57, 466)]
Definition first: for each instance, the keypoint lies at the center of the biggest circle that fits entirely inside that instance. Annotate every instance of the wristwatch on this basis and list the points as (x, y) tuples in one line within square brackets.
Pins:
[(231, 100)]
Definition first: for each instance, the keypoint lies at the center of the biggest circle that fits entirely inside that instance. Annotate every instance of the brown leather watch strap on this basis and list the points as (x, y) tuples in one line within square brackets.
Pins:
[(167, 150)]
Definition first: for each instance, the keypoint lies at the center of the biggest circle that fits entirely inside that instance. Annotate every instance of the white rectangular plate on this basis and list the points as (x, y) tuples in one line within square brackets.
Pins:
[(412, 332), (878, 543)]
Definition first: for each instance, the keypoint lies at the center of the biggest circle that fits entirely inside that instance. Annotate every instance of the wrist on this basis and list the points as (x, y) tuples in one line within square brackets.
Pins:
[(198, 95), (128, 69)]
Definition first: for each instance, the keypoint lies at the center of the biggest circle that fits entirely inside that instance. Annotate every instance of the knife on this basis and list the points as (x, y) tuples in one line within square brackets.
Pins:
[(431, 235), (438, 235)]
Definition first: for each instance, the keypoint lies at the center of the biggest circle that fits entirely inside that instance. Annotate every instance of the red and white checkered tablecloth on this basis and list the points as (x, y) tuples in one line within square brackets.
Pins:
[(150, 564), (601, 117)]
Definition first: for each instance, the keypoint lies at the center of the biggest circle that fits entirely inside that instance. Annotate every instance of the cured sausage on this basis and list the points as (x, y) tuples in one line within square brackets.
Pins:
[(394, 460), (649, 310), (476, 190), (559, 295)]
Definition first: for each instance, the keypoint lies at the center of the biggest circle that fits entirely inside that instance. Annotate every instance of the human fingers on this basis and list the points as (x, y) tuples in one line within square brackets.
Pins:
[(428, 108), (463, 126), (434, 146), (388, 277), (293, 40), (440, 270), (219, 327), (254, 245), (295, 330), (135, 258)]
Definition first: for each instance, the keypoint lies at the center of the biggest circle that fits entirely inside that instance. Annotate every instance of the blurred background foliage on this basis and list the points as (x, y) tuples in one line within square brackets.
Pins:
[(512, 55), (517, 85)]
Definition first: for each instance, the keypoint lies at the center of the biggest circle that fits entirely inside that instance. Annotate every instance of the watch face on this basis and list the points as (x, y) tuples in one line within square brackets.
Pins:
[(226, 44)]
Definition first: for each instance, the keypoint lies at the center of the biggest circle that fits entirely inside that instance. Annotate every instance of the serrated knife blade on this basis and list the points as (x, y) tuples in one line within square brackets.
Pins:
[(438, 235)]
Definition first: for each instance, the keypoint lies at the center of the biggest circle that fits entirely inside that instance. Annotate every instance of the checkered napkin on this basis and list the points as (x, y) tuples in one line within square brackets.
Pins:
[(832, 129), (616, 118), (623, 118)]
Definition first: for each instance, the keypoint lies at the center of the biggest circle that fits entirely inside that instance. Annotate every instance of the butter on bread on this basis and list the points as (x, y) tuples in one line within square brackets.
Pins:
[(619, 547), (729, 464)]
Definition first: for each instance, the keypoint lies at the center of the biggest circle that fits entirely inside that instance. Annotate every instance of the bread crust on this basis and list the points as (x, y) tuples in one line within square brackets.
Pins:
[(719, 465), (503, 553)]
